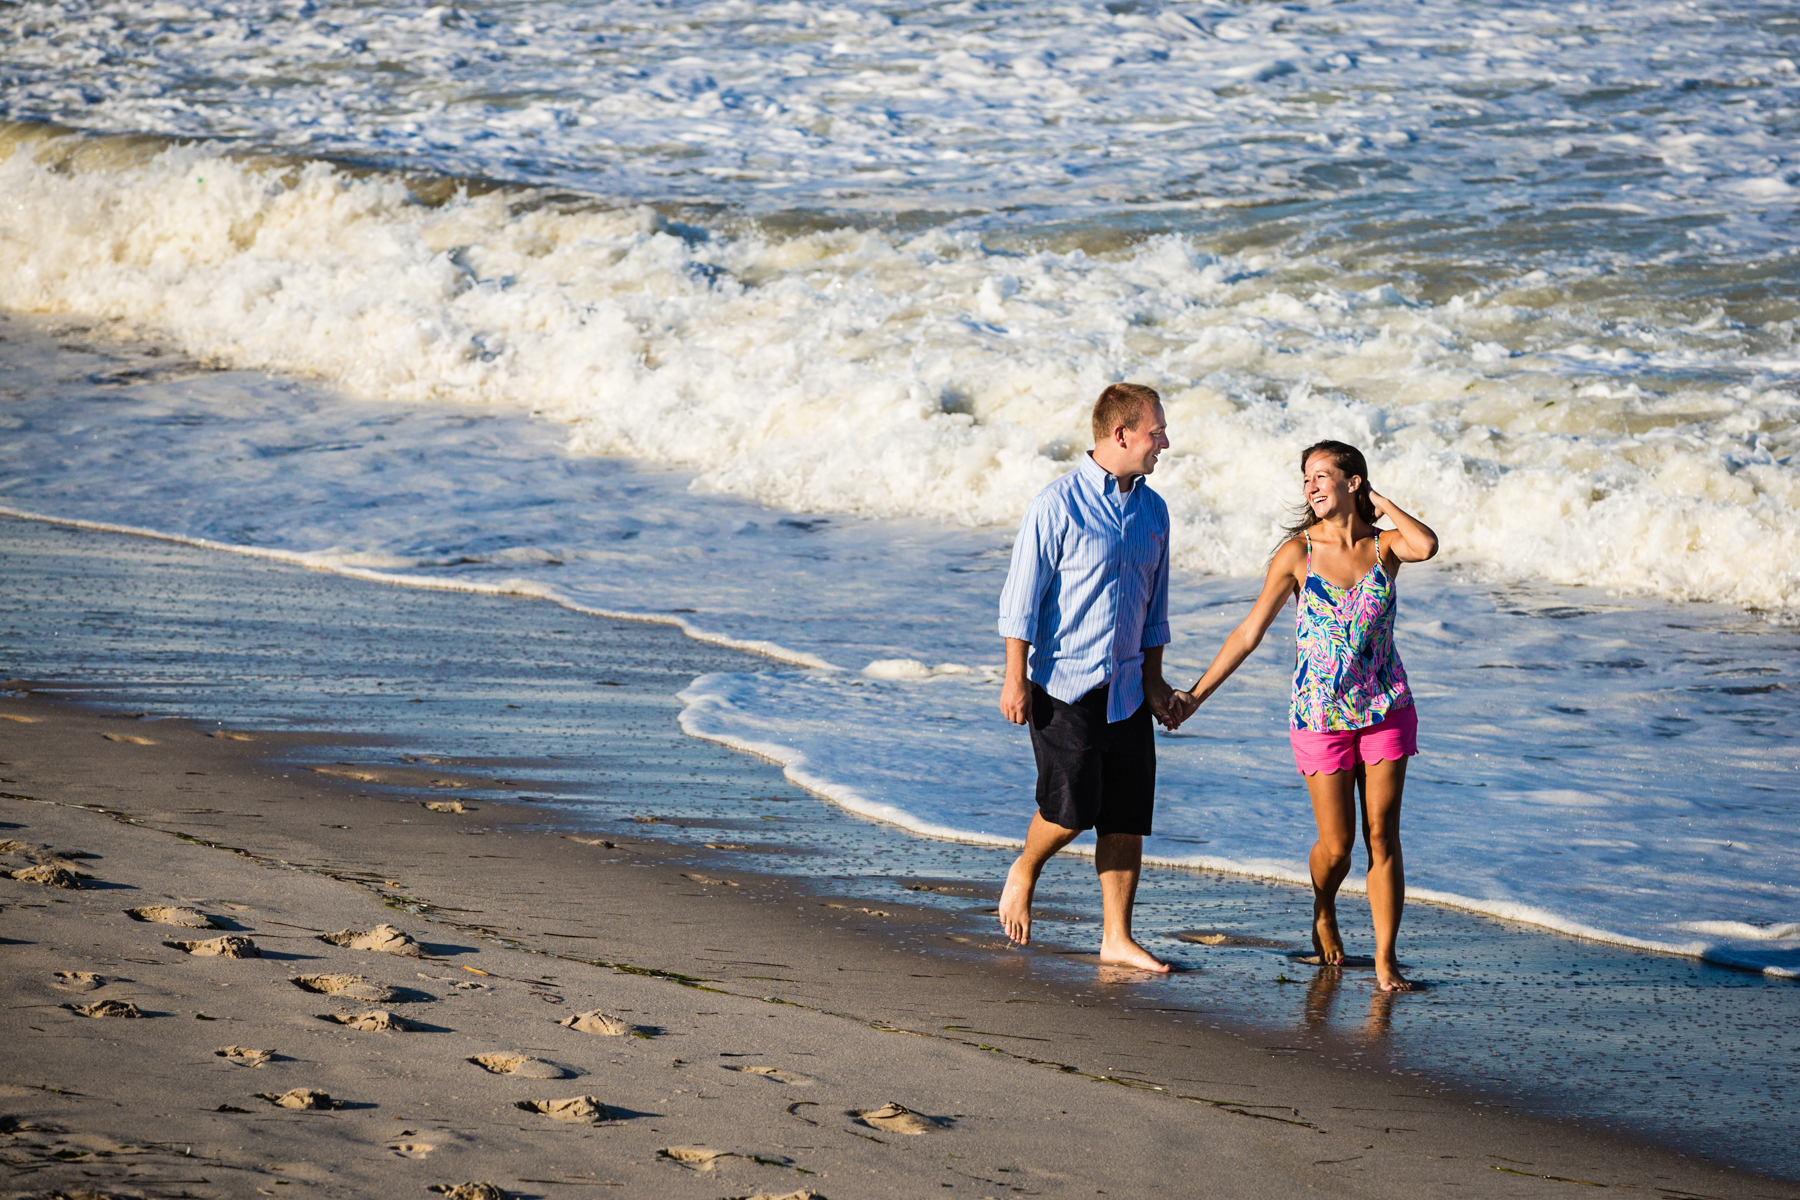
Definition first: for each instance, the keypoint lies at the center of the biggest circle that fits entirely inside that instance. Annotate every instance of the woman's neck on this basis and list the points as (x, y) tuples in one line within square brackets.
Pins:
[(1341, 529)]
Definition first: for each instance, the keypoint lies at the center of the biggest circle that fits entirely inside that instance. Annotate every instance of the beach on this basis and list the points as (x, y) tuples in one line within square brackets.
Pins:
[(628, 848), (600, 432), (762, 1018)]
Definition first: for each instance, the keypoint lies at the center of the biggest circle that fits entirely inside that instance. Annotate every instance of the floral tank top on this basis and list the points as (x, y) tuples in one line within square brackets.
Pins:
[(1347, 674)]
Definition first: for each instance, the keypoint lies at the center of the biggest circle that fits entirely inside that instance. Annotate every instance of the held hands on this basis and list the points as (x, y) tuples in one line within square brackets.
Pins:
[(1169, 706), (1182, 705)]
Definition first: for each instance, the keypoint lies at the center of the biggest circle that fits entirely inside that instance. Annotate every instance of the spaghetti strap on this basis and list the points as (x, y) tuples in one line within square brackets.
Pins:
[(1307, 534)]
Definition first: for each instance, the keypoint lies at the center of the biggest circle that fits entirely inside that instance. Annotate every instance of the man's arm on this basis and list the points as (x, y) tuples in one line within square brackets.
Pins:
[(1156, 635), (1156, 689), (1026, 581), (1015, 693)]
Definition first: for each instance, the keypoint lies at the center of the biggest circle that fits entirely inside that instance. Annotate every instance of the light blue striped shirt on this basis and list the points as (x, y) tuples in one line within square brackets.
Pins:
[(1089, 586)]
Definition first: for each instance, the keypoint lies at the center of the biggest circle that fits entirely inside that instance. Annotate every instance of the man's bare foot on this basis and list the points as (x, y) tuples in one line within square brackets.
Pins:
[(1326, 942), (1015, 902), (1127, 953), (1389, 979)]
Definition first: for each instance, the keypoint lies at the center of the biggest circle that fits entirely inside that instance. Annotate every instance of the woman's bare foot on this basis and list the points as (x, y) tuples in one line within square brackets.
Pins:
[(1124, 952), (1326, 942), (1389, 979), (1015, 902)]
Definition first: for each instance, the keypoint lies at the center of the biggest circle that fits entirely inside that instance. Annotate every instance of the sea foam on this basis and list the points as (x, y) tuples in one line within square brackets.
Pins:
[(933, 376)]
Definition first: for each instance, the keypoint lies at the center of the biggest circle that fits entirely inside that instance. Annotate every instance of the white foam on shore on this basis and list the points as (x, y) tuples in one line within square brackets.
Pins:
[(932, 376), (1658, 797), (345, 565)]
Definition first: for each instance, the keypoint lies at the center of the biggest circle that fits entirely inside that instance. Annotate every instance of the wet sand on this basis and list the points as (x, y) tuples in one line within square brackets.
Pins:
[(766, 1029), (658, 880)]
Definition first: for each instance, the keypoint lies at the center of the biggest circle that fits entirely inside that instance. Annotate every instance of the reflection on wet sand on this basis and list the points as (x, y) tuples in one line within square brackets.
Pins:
[(1321, 998)]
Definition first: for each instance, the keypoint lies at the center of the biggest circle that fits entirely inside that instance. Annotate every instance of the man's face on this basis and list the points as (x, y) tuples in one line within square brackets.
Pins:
[(1143, 445)]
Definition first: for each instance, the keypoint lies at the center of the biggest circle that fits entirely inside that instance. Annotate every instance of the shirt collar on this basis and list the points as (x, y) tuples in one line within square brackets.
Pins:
[(1101, 478)]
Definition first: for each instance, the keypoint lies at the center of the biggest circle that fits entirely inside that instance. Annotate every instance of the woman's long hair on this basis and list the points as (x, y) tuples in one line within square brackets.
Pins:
[(1350, 461)]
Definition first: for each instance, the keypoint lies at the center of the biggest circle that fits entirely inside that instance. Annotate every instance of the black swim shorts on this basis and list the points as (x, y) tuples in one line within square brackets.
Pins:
[(1092, 774)]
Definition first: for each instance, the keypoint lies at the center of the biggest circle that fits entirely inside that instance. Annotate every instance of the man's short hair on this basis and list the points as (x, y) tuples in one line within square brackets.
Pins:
[(1122, 404)]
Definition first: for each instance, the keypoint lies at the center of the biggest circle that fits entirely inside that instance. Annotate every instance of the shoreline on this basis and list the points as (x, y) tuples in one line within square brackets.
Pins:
[(790, 762), (172, 636), (767, 942)]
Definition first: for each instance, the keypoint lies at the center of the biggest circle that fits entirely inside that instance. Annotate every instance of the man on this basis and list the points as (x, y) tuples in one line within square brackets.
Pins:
[(1085, 617)]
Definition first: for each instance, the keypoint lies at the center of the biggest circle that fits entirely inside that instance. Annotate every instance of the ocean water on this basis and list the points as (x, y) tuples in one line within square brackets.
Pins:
[(767, 320)]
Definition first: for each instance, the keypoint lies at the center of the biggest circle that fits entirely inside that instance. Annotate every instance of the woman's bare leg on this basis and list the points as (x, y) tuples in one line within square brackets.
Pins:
[(1334, 808), (1383, 784)]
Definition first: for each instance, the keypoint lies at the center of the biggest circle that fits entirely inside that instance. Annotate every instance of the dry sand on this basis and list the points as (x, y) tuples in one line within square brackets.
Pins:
[(399, 998)]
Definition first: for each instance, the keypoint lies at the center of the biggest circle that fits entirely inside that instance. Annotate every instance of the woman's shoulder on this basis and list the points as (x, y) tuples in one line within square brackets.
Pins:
[(1290, 556)]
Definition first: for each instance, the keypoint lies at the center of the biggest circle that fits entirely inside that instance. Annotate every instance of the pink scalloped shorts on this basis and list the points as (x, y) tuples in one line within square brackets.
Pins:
[(1395, 736)]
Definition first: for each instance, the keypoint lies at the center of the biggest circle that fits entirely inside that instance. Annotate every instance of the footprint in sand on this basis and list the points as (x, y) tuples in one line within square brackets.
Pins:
[(698, 1158), (165, 914), (791, 1078), (710, 879), (79, 981), (411, 1149), (19, 719), (383, 938), (106, 1008), (575, 1108), (346, 773), (47, 874), (796, 1194), (232, 945), (896, 1118), (307, 1098), (351, 987), (379, 1020), (1212, 937), (522, 1065), (468, 1191), (244, 1056), (230, 736), (596, 1021), (133, 738), (447, 806)]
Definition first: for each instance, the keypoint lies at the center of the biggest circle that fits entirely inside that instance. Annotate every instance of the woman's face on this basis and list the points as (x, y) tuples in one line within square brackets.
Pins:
[(1328, 491)]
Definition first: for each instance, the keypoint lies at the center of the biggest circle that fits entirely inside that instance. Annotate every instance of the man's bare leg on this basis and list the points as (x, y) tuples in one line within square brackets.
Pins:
[(1042, 840), (1119, 858), (1383, 784), (1334, 808)]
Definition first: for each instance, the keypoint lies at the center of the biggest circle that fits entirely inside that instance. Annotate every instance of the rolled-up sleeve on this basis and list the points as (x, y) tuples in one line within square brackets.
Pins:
[(1030, 573), (1156, 616)]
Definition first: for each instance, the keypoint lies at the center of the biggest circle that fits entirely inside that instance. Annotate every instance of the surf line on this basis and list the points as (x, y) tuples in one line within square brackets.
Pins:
[(319, 561), (698, 703), (706, 715)]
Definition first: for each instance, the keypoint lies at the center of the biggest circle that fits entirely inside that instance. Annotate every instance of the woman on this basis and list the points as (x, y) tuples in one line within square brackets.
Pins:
[(1351, 721)]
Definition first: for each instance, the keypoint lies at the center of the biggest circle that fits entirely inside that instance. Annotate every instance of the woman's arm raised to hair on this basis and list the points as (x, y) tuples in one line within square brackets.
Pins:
[(1413, 540), (1283, 579)]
